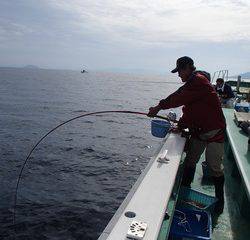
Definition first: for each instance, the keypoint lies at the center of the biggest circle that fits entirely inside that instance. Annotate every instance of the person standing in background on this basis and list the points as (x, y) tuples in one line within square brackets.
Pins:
[(224, 91)]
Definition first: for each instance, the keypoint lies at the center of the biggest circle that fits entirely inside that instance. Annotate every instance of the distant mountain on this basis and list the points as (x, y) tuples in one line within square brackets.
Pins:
[(31, 67), (243, 75)]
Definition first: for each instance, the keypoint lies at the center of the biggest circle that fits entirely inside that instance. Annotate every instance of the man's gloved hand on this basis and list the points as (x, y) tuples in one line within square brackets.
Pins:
[(185, 133), (153, 111)]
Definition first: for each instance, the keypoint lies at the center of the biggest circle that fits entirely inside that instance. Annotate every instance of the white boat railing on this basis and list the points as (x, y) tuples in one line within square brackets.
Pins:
[(147, 200), (220, 74)]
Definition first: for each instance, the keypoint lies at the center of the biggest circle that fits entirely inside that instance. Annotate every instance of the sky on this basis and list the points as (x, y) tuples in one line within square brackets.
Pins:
[(147, 35)]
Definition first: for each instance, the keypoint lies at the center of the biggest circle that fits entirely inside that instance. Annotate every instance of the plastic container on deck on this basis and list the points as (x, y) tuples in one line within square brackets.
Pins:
[(160, 128), (242, 107), (195, 200), (190, 224)]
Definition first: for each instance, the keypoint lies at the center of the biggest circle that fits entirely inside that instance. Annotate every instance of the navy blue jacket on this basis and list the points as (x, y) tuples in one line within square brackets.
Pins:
[(226, 93)]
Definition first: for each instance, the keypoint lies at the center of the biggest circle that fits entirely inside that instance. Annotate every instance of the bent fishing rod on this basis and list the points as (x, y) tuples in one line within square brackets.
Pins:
[(56, 127)]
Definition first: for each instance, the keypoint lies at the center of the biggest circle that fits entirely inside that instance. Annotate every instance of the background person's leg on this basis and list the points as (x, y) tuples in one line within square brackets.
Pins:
[(195, 149)]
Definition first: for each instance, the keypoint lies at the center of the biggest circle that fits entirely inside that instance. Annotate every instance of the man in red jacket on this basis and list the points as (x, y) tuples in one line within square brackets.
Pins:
[(203, 116)]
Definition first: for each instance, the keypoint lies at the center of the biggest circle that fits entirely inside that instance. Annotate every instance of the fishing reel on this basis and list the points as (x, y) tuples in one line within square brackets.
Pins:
[(172, 116)]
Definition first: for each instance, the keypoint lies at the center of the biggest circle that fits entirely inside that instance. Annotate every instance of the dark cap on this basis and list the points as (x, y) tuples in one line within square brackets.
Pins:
[(182, 63)]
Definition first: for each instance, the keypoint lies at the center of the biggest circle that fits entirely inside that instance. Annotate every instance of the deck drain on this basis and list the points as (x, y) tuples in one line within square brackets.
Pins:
[(130, 214), (137, 230)]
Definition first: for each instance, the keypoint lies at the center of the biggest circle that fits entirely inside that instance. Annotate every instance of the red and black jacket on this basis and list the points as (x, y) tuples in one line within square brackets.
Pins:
[(202, 109)]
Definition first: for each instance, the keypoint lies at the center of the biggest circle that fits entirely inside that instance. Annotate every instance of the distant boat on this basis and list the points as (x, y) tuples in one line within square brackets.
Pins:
[(83, 71)]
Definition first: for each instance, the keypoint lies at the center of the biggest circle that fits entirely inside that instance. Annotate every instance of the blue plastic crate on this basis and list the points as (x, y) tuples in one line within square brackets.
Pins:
[(191, 224), (242, 107), (192, 199)]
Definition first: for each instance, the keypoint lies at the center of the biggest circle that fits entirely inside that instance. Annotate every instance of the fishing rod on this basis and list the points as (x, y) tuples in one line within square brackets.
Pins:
[(56, 127)]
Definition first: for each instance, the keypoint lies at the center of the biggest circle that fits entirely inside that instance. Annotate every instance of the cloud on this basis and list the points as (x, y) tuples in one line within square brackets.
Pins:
[(12, 30), (135, 23), (160, 21), (124, 33)]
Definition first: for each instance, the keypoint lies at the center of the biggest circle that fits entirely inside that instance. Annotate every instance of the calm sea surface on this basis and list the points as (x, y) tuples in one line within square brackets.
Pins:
[(80, 174)]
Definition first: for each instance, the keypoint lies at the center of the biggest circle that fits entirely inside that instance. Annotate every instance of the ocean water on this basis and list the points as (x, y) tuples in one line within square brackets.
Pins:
[(80, 174)]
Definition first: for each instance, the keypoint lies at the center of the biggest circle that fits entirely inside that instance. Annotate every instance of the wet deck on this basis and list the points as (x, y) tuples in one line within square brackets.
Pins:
[(230, 225)]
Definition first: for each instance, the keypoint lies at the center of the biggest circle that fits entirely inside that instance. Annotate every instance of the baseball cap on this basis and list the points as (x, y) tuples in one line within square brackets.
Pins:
[(182, 63)]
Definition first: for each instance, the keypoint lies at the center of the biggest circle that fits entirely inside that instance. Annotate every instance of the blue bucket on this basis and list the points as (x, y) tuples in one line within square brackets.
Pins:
[(160, 128)]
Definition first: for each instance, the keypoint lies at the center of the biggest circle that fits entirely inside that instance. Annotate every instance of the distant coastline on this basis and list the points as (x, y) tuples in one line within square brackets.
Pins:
[(243, 75), (31, 67), (24, 67)]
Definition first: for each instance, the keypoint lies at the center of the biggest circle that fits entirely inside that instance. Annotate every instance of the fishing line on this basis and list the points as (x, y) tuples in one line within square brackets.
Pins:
[(52, 130)]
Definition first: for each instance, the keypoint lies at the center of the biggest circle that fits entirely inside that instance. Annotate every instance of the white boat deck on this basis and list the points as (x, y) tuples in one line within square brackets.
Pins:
[(149, 197)]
